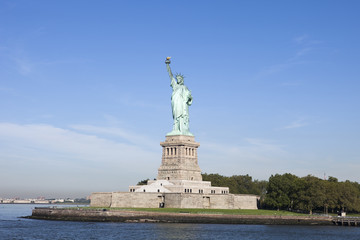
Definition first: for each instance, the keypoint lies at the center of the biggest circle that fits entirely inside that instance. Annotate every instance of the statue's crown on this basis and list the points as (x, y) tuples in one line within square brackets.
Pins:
[(179, 75)]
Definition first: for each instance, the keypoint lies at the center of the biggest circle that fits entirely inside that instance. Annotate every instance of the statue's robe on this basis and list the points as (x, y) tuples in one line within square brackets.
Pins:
[(181, 99)]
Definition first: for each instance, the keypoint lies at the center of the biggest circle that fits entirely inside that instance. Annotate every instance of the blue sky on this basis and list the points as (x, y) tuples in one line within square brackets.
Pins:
[(85, 96)]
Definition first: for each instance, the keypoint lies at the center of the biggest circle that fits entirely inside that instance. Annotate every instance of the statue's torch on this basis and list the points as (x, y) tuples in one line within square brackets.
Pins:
[(167, 61)]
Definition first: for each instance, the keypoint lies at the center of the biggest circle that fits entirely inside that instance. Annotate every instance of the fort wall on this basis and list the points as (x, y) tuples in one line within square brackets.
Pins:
[(174, 200)]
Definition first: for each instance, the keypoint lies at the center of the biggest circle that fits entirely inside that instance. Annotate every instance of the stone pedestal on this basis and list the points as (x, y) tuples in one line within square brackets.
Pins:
[(179, 184), (179, 159)]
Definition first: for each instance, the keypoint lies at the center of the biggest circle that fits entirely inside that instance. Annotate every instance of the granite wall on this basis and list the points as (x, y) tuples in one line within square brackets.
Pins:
[(174, 200)]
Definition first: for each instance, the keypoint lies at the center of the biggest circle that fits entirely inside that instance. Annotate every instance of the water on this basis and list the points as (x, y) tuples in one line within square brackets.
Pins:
[(12, 227)]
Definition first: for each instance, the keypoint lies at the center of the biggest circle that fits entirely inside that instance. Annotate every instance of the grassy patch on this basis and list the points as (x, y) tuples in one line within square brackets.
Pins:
[(208, 211)]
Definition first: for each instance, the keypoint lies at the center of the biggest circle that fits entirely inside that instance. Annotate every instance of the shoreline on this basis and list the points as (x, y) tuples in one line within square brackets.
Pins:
[(88, 215)]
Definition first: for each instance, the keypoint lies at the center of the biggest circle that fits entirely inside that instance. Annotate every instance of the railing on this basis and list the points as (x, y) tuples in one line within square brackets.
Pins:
[(346, 221)]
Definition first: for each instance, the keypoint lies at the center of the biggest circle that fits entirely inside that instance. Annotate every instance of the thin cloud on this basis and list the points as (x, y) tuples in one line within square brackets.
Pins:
[(305, 40), (304, 47), (253, 149), (303, 51), (301, 39), (24, 66), (306, 44), (265, 145), (257, 157), (129, 100), (296, 124), (130, 137), (9, 91), (35, 150), (88, 147), (277, 68)]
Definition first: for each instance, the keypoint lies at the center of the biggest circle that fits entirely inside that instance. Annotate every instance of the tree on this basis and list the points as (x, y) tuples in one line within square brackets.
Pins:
[(333, 179), (281, 191), (331, 195), (349, 197), (237, 184), (143, 182), (313, 195)]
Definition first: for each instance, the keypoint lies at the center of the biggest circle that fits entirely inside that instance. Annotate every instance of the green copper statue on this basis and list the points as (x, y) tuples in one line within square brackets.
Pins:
[(181, 99)]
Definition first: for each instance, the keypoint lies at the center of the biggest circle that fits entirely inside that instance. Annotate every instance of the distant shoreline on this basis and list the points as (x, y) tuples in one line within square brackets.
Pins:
[(166, 217)]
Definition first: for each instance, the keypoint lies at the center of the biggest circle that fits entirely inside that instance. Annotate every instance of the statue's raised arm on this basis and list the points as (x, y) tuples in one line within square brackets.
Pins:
[(181, 99), (169, 70)]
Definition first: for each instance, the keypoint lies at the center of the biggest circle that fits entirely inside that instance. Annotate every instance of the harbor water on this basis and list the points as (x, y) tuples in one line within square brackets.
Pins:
[(14, 227)]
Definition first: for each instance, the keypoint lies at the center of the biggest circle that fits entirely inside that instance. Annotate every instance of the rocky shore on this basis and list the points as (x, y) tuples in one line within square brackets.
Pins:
[(163, 217)]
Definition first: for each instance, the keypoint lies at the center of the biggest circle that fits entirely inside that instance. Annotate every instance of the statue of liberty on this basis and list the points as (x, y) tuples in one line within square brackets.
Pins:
[(181, 99)]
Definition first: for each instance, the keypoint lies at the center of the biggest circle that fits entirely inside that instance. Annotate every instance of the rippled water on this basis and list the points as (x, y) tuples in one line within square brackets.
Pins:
[(12, 227)]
